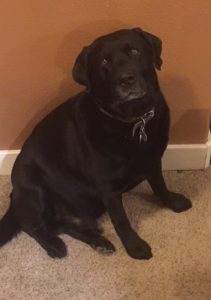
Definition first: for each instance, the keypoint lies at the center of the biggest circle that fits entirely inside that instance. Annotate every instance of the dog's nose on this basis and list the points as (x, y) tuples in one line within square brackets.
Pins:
[(127, 79)]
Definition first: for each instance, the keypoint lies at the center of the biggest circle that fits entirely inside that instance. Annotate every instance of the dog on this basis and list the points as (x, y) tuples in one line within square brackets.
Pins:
[(81, 158)]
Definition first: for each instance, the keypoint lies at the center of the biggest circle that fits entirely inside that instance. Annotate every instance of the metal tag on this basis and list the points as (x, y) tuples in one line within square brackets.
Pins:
[(142, 134), (140, 125)]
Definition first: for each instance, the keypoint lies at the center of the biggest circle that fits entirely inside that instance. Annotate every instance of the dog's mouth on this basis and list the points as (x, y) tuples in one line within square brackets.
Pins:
[(129, 95), (130, 98), (133, 102)]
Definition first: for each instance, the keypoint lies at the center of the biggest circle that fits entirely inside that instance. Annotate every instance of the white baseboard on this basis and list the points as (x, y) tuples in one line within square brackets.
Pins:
[(176, 157), (188, 157), (7, 159)]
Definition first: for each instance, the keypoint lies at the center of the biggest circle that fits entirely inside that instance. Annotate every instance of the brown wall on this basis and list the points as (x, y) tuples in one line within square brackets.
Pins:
[(40, 40)]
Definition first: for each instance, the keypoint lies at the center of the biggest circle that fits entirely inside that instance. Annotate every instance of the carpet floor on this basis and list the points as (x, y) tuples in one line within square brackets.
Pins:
[(181, 245)]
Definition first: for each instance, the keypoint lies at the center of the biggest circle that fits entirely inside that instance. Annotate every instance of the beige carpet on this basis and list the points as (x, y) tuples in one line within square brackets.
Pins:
[(179, 269)]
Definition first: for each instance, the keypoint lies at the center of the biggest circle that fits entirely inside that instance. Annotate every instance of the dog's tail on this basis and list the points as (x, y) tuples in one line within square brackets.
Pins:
[(9, 227)]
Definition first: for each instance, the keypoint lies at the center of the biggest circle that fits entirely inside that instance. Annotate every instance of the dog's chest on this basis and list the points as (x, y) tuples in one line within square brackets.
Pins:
[(125, 172), (125, 159)]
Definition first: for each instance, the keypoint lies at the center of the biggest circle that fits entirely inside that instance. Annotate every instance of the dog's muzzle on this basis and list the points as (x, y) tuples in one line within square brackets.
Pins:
[(130, 86)]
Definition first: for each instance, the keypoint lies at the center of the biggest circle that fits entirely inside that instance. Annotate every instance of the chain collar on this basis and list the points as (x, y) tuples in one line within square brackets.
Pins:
[(140, 122)]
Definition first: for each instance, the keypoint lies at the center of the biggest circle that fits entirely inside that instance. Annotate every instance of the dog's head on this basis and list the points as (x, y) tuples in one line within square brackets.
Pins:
[(118, 69)]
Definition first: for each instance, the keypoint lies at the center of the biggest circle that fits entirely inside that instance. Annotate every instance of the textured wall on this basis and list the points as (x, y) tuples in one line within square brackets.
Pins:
[(40, 40)]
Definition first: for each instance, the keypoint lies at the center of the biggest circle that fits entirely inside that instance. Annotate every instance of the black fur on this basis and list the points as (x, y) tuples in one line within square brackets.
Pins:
[(81, 157), (9, 227)]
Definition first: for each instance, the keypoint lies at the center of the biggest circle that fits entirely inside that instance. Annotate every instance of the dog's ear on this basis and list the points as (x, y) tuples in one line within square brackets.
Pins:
[(79, 71), (156, 46)]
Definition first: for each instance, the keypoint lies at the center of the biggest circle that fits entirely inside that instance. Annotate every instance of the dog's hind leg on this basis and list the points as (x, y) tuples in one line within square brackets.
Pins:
[(87, 231), (54, 246), (30, 206)]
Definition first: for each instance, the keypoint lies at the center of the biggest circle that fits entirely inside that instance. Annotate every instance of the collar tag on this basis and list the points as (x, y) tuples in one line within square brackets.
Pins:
[(141, 125), (142, 135)]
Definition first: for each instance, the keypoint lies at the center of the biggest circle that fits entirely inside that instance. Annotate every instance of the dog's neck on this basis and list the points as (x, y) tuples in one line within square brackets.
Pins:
[(145, 117), (139, 122)]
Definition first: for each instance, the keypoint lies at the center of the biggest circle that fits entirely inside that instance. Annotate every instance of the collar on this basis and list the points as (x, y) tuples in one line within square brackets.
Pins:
[(139, 122)]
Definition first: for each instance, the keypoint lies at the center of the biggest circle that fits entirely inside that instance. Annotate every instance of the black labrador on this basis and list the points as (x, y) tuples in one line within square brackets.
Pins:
[(99, 144)]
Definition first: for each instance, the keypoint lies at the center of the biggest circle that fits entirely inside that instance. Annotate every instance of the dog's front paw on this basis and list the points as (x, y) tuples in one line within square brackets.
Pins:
[(176, 202), (138, 248)]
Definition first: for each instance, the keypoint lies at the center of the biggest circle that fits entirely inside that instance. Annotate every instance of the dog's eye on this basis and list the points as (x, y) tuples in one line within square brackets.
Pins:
[(134, 51), (104, 62)]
